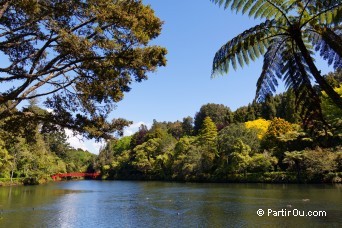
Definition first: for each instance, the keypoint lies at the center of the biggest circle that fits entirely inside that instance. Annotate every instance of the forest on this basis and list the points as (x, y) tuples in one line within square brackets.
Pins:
[(261, 142), (33, 154), (66, 64)]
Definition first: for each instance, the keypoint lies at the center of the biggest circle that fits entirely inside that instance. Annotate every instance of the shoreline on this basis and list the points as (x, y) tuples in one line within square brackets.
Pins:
[(249, 178)]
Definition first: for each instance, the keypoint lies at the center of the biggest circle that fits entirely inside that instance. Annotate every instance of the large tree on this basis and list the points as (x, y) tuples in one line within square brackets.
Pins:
[(80, 55), (287, 39), (220, 114)]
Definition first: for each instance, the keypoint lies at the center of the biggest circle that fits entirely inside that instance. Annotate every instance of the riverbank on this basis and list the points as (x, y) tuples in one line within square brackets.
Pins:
[(23, 181), (30, 181), (267, 177), (8, 182)]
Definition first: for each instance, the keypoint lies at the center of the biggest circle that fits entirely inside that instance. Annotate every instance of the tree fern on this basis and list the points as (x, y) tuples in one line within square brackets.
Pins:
[(247, 46), (273, 64), (285, 39), (256, 8)]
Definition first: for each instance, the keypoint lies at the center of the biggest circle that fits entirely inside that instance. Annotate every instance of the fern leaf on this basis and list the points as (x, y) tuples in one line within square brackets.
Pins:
[(238, 50)]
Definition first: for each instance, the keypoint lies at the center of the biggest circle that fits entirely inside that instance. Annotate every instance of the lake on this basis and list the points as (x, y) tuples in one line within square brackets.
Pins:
[(162, 204)]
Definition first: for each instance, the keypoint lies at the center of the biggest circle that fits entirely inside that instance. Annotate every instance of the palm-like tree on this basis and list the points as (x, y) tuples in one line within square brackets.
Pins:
[(287, 39)]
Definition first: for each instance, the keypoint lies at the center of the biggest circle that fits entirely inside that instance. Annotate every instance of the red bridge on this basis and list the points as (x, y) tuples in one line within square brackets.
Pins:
[(64, 175)]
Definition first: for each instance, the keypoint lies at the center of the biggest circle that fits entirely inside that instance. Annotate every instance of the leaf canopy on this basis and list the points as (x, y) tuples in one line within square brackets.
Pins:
[(81, 56)]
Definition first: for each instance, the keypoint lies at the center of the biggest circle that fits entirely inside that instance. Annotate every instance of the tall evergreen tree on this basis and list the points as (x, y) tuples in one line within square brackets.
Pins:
[(208, 141), (269, 108), (208, 133)]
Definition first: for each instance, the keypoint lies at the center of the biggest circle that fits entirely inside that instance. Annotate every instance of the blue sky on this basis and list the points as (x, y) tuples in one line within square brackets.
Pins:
[(193, 31)]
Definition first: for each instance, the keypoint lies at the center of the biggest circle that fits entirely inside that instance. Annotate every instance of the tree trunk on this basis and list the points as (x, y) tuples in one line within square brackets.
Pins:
[(12, 171), (316, 73), (333, 40)]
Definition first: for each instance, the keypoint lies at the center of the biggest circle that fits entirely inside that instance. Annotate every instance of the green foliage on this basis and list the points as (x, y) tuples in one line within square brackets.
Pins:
[(334, 78), (114, 157), (208, 133), (287, 107), (187, 159), (234, 132), (219, 114), (79, 160), (153, 157), (311, 165), (145, 156), (269, 108), (262, 163), (138, 138), (5, 161), (281, 106), (332, 113), (34, 154), (57, 143), (122, 144), (188, 126), (240, 158), (208, 141), (81, 56), (286, 39), (339, 161), (175, 129), (195, 158), (240, 115)]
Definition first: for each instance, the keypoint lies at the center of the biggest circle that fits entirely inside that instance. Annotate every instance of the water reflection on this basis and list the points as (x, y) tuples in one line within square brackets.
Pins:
[(155, 204)]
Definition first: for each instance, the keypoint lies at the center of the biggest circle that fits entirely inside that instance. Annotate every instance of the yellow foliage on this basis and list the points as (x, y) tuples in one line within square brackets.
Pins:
[(278, 127), (261, 125), (338, 90)]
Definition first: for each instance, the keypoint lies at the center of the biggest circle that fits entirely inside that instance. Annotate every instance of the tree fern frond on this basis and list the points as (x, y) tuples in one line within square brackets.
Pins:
[(237, 5), (240, 60), (325, 50), (297, 29), (247, 5), (245, 55), (236, 49), (256, 50), (257, 8), (254, 9), (325, 12), (262, 11), (273, 63), (307, 97), (251, 53)]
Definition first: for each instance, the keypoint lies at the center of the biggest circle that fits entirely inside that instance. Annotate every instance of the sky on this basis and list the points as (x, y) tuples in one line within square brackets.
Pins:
[(193, 31)]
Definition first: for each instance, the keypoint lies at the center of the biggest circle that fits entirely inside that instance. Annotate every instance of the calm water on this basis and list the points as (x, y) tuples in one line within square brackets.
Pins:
[(158, 204)]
